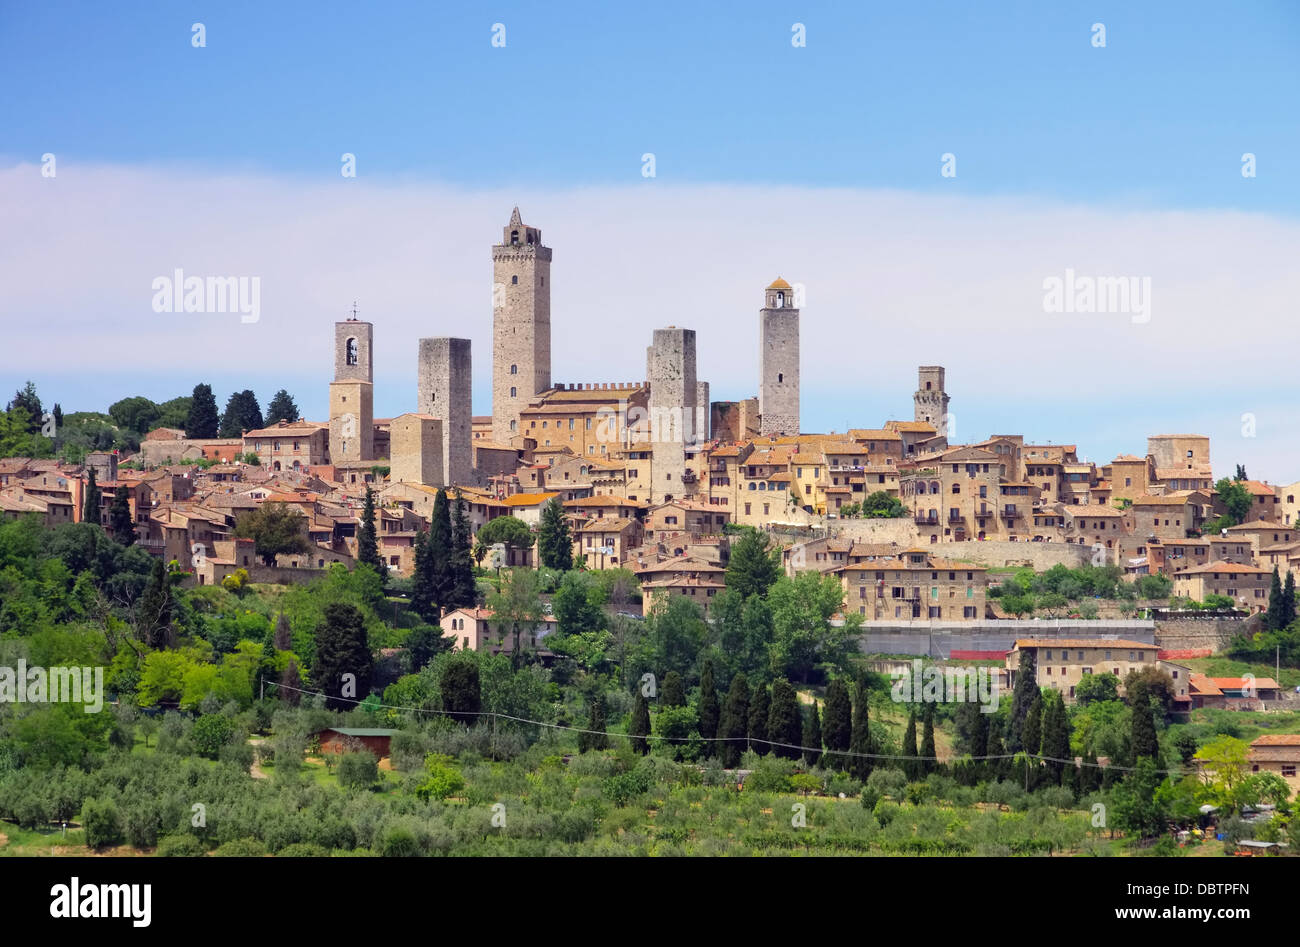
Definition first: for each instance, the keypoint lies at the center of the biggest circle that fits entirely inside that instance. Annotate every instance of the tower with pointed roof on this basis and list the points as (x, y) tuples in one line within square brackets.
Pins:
[(778, 361), (521, 324)]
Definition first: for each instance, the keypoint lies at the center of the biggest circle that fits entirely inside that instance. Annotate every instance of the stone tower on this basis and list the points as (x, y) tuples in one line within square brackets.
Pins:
[(445, 392), (670, 369), (521, 324), (352, 394), (778, 361), (930, 399)]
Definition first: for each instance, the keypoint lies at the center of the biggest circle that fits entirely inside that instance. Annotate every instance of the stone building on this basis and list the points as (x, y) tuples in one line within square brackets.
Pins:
[(670, 370), (521, 324), (931, 399), (445, 391), (778, 361), (352, 393), (417, 450)]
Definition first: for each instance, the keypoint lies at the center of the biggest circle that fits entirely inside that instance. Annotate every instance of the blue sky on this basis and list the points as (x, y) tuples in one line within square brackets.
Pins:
[(1154, 125)]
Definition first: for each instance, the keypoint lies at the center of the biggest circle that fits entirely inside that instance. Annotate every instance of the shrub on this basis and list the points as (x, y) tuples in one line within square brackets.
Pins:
[(179, 846), (359, 770), (241, 848), (309, 850), (102, 822)]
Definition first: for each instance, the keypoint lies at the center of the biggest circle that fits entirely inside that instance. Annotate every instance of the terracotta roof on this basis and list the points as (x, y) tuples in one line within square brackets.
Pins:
[(1230, 567), (1277, 739), (528, 499), (779, 283)]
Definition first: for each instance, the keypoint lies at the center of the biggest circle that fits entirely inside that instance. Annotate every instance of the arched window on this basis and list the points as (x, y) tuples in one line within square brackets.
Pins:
[(514, 238), (920, 487), (514, 369), (956, 488), (780, 377), (514, 392), (514, 280), (352, 351), (513, 425), (934, 486), (780, 300)]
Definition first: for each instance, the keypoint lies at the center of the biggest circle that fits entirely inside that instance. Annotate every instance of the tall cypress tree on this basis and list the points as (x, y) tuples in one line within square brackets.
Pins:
[(1143, 740), (283, 640), (838, 725), (554, 543), (760, 704), (1022, 698), (812, 736), (708, 709), (928, 754), (291, 684), (1056, 738), (423, 587), (911, 769), (1288, 600), (734, 725), (342, 648), (367, 538), (860, 741), (463, 591), (1032, 734), (153, 616), (995, 767), (119, 517), (90, 503), (638, 726), (595, 738), (673, 694), (784, 725), (440, 537), (203, 421), (1273, 619)]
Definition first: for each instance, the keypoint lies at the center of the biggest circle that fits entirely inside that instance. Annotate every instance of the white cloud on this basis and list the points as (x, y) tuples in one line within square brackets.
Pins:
[(893, 280)]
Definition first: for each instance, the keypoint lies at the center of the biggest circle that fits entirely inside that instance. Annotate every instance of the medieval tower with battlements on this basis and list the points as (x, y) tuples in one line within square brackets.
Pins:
[(778, 361), (521, 324), (931, 399), (445, 390)]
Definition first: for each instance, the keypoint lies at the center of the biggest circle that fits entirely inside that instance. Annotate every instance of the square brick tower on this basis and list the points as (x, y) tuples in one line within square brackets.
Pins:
[(778, 361), (930, 399), (352, 395), (445, 392), (521, 324)]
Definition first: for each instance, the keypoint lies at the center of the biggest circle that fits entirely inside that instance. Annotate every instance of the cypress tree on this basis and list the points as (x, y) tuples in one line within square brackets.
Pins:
[(995, 767), (1022, 698), (928, 750), (708, 708), (596, 738), (910, 768), (1056, 738), (734, 725), (837, 728), (462, 691), (1143, 741), (202, 421), (673, 693), (812, 736), (463, 591), (367, 538), (423, 601), (979, 745), (119, 517), (784, 725), (554, 544), (860, 765), (242, 413), (283, 640), (1032, 735), (1273, 619), (1288, 600), (90, 503), (342, 647), (760, 705), (291, 684), (638, 726), (1090, 774), (154, 612), (440, 537)]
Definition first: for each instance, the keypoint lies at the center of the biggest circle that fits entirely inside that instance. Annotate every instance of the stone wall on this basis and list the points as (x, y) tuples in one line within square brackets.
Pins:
[(937, 639)]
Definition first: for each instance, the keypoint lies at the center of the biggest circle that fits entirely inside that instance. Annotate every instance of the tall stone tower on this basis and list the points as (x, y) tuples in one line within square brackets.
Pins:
[(930, 399), (445, 392), (521, 324), (670, 369), (778, 361), (352, 393)]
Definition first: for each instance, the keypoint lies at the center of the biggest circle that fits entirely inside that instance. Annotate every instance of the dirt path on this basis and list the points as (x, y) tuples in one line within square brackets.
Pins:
[(256, 771)]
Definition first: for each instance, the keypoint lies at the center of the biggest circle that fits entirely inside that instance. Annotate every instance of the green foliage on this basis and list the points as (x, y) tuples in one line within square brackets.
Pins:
[(554, 541), (358, 770), (1236, 500), (211, 732), (276, 529), (880, 505), (1096, 687), (102, 823), (242, 413), (754, 565), (462, 689), (509, 530), (202, 420), (784, 722), (342, 648), (733, 727), (281, 408), (638, 725), (442, 778), (367, 538)]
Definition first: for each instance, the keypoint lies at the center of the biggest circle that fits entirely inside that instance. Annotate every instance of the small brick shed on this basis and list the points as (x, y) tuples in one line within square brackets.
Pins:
[(339, 739)]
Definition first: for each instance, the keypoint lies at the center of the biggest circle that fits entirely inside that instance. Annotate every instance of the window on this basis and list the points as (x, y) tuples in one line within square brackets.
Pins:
[(352, 351), (1288, 770), (514, 392), (514, 281), (514, 369)]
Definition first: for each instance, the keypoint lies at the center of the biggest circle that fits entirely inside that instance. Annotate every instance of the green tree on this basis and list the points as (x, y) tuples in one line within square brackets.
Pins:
[(708, 711), (1096, 687), (153, 614), (577, 605), (463, 593), (760, 705), (276, 529), (1137, 804), (120, 524), (911, 764), (554, 542), (753, 567), (27, 400), (1143, 740), (1273, 617), (175, 413), (1288, 600), (812, 736), (423, 585), (638, 726), (90, 505), (211, 732), (838, 725), (516, 606), (358, 770), (1056, 736), (281, 408), (342, 648), (784, 723), (1236, 500), (461, 687), (880, 505), (672, 694), (860, 741), (1022, 698), (135, 414), (440, 540), (1225, 761), (509, 530), (734, 725), (368, 538), (594, 738), (202, 421), (928, 754), (242, 413), (1031, 737)]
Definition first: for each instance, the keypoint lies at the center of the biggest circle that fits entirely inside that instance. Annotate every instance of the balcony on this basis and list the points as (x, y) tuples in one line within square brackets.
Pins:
[(955, 516), (927, 519), (1010, 513)]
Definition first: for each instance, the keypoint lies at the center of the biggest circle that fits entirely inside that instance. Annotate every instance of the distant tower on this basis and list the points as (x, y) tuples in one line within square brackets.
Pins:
[(778, 361), (521, 324), (670, 369), (445, 392), (352, 395), (930, 399)]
